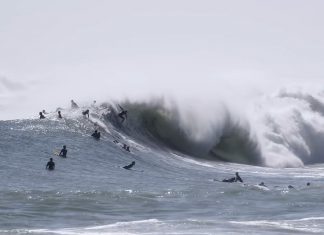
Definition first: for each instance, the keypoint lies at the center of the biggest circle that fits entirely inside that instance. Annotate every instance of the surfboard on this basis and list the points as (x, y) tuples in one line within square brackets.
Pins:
[(131, 169), (57, 153), (121, 107)]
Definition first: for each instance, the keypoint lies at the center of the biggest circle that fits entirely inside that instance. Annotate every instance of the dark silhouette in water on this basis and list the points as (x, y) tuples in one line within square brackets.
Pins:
[(234, 179), (126, 147), (50, 165), (96, 135), (41, 116), (59, 114), (63, 151), (86, 113), (128, 167)]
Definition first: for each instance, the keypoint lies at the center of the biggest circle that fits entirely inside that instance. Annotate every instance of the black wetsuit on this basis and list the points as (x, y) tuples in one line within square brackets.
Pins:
[(41, 116), (63, 153), (234, 179), (238, 178), (50, 165), (86, 112), (231, 180), (96, 135), (123, 115)]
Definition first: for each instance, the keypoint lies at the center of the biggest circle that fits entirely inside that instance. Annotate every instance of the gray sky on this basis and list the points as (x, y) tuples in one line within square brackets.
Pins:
[(58, 50)]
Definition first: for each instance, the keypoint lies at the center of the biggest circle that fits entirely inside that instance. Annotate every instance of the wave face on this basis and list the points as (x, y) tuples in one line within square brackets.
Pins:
[(227, 140)]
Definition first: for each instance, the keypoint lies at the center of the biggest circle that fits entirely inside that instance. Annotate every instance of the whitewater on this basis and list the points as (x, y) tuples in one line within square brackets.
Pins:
[(182, 154)]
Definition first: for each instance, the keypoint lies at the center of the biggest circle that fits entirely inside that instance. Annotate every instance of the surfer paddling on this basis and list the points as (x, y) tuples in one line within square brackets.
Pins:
[(234, 179)]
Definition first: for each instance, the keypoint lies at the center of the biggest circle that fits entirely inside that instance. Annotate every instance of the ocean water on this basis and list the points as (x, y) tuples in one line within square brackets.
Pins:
[(174, 188)]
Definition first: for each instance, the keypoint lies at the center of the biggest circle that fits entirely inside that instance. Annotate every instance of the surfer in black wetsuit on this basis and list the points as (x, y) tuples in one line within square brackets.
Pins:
[(50, 165), (86, 113), (234, 179), (63, 151), (126, 147), (59, 114), (128, 167), (96, 135), (123, 115), (41, 115)]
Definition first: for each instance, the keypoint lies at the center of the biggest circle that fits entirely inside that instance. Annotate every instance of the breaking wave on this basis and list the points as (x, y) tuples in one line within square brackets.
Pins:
[(285, 129)]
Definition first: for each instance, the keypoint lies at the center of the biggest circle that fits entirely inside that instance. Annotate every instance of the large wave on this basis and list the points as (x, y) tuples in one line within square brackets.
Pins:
[(285, 129), (167, 127)]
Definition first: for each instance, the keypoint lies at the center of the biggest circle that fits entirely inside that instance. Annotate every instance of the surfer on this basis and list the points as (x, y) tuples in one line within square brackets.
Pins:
[(122, 114), (44, 112), (126, 147), (63, 151), (262, 184), (128, 167), (86, 113), (41, 115), (96, 135), (50, 165), (74, 105), (234, 179), (59, 114)]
